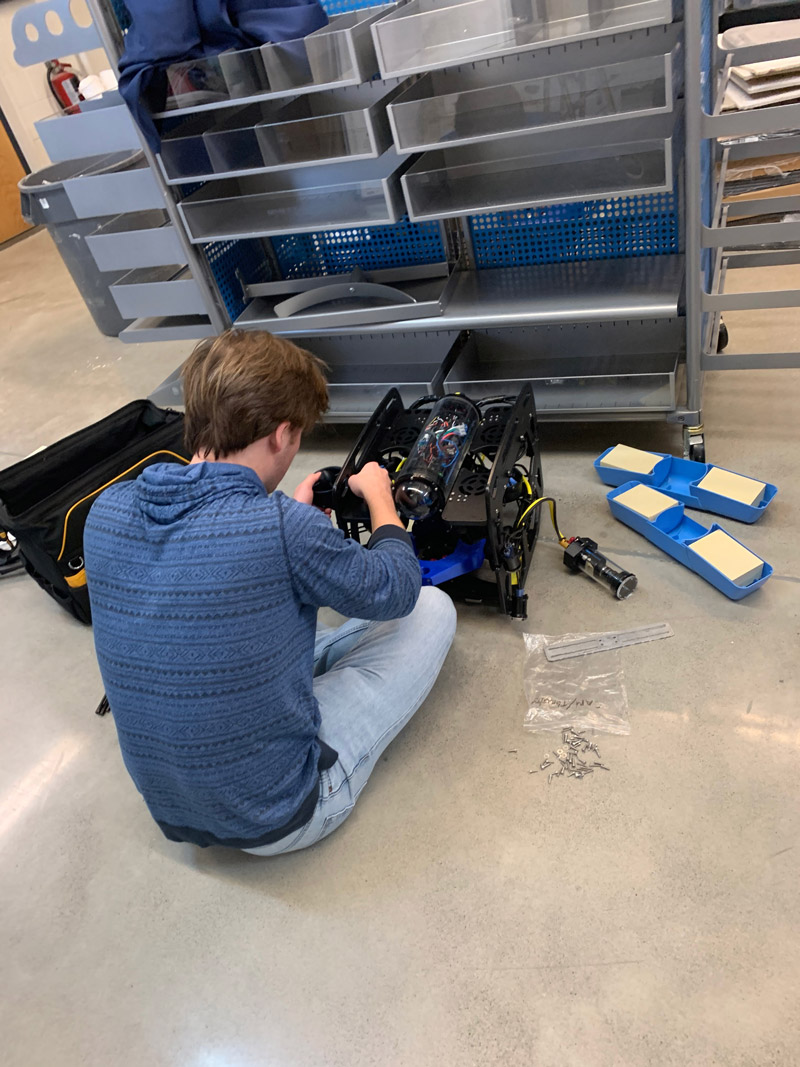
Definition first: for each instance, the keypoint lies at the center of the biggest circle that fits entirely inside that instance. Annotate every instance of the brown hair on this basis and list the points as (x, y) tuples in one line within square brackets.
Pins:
[(240, 386)]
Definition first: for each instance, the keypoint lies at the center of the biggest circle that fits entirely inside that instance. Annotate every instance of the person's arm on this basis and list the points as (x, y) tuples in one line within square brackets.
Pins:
[(378, 582), (373, 485)]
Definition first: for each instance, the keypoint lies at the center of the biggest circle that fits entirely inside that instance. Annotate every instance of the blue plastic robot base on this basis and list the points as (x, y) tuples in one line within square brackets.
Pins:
[(464, 559)]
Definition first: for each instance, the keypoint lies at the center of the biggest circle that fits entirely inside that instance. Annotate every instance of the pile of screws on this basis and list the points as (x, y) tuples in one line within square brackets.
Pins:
[(574, 745)]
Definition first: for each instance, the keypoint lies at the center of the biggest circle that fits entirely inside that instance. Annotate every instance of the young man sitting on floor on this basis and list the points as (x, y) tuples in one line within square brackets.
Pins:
[(242, 721)]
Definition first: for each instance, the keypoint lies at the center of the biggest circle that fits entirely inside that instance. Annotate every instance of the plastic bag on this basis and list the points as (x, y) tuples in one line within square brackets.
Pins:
[(586, 692)]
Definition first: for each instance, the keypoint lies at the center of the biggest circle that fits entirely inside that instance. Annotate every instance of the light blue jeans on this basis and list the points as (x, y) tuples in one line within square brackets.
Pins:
[(369, 679)]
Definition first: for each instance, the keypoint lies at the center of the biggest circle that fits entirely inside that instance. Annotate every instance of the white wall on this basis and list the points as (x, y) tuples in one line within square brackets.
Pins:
[(24, 95)]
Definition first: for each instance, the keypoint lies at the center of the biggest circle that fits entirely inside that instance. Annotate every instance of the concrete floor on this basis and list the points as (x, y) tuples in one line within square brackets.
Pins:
[(467, 913)]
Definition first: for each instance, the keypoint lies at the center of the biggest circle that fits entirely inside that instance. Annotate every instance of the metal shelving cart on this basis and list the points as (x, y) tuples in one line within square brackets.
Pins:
[(524, 189)]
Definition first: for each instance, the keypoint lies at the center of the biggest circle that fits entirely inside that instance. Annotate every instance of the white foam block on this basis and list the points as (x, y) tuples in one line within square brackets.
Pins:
[(733, 486), (647, 502), (625, 458), (733, 560)]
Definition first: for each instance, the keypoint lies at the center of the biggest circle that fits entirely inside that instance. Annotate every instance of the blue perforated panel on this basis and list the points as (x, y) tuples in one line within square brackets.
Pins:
[(337, 7), (597, 229), (234, 263), (309, 255)]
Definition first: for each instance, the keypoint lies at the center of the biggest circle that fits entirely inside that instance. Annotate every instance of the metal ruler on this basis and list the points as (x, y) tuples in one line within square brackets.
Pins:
[(584, 646)]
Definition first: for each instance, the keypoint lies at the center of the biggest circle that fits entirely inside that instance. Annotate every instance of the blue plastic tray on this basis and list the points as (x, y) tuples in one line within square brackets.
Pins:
[(679, 478), (673, 532)]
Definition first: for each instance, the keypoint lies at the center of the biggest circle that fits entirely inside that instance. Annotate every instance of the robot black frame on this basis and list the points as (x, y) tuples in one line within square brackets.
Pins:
[(487, 523)]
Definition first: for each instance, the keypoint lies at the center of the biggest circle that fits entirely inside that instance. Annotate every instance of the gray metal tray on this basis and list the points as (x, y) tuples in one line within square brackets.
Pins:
[(94, 196), (580, 163), (363, 367), (428, 34), (168, 328), (623, 383), (157, 291), (341, 53), (139, 239), (361, 300), (502, 97), (89, 133), (304, 199)]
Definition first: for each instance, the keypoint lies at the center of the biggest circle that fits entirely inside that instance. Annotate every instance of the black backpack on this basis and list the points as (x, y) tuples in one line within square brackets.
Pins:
[(44, 499)]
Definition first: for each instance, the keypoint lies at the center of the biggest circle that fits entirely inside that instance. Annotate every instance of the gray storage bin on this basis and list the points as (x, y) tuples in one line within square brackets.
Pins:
[(140, 239), (232, 143), (244, 72), (337, 125), (168, 328), (487, 101), (158, 291), (183, 151), (363, 367), (341, 53), (499, 362), (44, 201), (102, 130), (300, 200), (135, 187), (426, 34), (584, 163)]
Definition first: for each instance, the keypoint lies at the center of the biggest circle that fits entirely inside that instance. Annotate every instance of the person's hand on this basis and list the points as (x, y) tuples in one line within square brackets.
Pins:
[(304, 493), (371, 483)]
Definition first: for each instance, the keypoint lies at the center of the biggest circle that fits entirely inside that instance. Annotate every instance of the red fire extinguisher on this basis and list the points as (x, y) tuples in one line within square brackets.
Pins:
[(63, 82)]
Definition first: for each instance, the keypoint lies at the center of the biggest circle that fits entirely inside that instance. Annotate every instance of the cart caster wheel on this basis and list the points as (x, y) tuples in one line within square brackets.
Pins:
[(722, 337), (694, 446)]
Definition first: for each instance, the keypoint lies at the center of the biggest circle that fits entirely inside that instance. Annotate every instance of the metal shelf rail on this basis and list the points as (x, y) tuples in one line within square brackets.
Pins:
[(710, 241)]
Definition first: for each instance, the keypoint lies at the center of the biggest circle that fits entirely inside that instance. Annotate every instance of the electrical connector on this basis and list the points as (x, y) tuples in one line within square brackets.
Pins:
[(581, 554)]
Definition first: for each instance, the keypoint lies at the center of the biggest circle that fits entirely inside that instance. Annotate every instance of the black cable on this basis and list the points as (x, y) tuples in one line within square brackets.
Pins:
[(494, 400)]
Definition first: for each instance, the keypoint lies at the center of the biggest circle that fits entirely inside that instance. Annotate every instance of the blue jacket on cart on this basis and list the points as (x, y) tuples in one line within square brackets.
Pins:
[(164, 33)]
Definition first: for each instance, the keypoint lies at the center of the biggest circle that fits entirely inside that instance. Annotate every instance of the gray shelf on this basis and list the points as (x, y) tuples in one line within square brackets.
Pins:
[(339, 54), (635, 158), (503, 97), (168, 328), (93, 196), (154, 291), (363, 299), (335, 126), (318, 198), (88, 133), (428, 34), (502, 361), (592, 370), (138, 239), (607, 290), (362, 368)]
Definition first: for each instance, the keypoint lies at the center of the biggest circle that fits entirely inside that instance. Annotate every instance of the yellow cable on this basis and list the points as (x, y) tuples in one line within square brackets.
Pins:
[(561, 538)]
